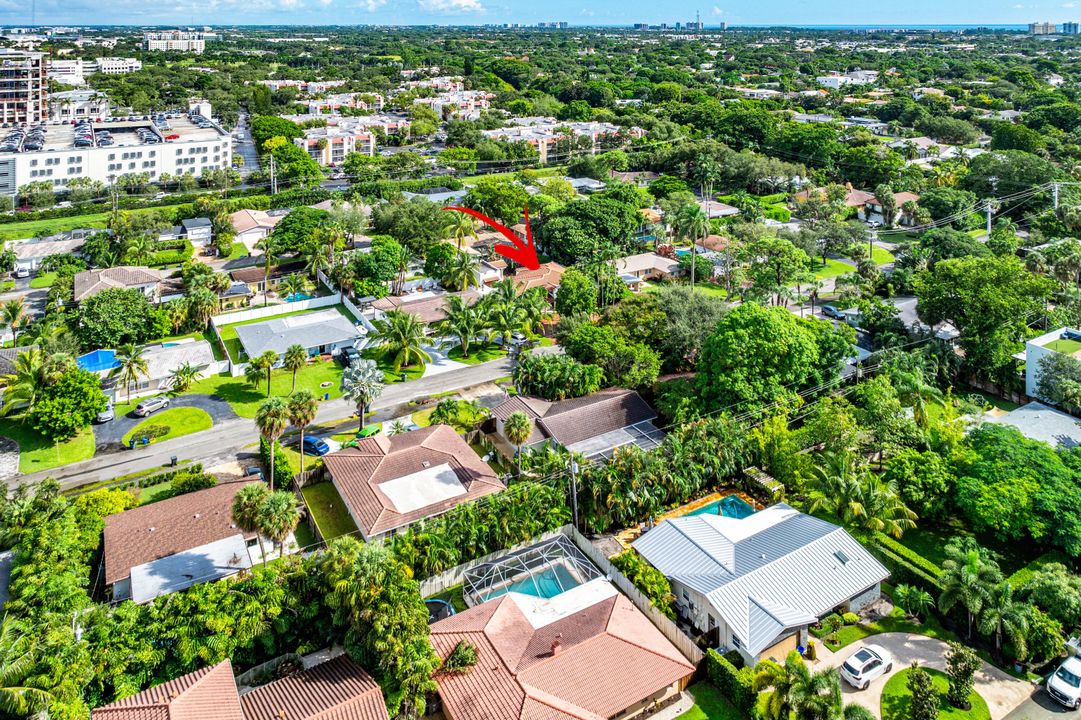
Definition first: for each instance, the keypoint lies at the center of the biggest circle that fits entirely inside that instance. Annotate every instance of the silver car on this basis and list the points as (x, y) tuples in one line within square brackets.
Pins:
[(151, 405)]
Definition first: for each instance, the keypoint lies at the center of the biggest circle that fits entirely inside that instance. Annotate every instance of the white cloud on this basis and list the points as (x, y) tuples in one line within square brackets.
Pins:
[(586, 12), (373, 5), (1018, 6), (1069, 5), (717, 10), (452, 7)]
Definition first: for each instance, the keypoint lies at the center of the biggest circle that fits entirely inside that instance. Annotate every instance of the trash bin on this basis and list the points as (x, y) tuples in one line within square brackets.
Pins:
[(172, 460), (131, 443), (326, 396), (145, 440)]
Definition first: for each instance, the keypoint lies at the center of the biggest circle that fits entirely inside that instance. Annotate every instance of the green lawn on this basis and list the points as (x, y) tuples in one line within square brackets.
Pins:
[(43, 280), (881, 256), (478, 354), (238, 249), (328, 510), (37, 453), (896, 699), (154, 493), (709, 704), (546, 172), (30, 228), (304, 536), (1066, 346), (180, 421), (390, 375), (232, 343), (453, 596), (245, 398), (831, 269)]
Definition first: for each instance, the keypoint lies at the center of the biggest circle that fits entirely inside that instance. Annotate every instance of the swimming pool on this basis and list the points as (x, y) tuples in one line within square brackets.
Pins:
[(682, 251), (98, 360), (732, 506), (295, 297), (544, 583)]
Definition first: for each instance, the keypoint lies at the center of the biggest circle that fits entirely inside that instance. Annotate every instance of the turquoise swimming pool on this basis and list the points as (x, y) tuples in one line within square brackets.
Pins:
[(546, 583), (97, 361), (732, 506), (296, 297)]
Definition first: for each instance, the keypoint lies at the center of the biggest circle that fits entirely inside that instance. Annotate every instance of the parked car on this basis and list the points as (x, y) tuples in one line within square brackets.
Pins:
[(1064, 685), (107, 414), (866, 664), (350, 356), (151, 406), (315, 446), (253, 471), (831, 311), (22, 272)]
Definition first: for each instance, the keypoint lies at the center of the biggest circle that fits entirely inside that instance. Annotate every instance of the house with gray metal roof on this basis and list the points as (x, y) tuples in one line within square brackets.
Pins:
[(323, 331), (755, 584)]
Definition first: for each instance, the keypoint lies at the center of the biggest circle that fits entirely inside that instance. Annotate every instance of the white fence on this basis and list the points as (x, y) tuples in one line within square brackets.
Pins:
[(273, 310)]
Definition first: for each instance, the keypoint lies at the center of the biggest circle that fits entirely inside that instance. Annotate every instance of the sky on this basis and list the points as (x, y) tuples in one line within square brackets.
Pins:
[(576, 12)]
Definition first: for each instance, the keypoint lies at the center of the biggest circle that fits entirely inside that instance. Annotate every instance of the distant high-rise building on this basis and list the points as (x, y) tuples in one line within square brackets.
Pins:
[(563, 24), (1070, 28), (23, 87), (641, 26), (1042, 28), (724, 26), (175, 40)]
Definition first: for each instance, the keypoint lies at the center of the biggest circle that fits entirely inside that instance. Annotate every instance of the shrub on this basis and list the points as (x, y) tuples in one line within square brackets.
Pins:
[(812, 651), (190, 482), (651, 581), (461, 658), (777, 212), (832, 623), (850, 618), (734, 657), (736, 684), (153, 432), (961, 667)]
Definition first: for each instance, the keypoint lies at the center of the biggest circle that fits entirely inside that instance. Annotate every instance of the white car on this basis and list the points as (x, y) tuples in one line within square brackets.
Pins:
[(865, 665), (1064, 685)]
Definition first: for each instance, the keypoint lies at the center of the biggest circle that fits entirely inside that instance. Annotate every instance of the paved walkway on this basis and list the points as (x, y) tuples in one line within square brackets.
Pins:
[(1002, 691)]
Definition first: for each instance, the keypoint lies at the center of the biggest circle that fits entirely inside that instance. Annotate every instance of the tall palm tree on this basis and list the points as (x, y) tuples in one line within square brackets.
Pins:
[(182, 377), (294, 284), (968, 577), (505, 319), (278, 516), (17, 658), (295, 358), (34, 373), (836, 482), (909, 378), (11, 312), (518, 427), (130, 366), (779, 680), (463, 321), (462, 271), (534, 305), (817, 695), (692, 224), (1002, 615), (246, 505), (259, 369), (362, 383), (269, 246), (463, 227), (201, 304), (271, 419), (402, 336), (401, 262), (504, 292), (302, 409)]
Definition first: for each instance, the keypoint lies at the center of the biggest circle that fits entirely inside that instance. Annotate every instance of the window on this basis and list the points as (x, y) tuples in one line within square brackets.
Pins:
[(686, 596), (736, 641), (712, 622)]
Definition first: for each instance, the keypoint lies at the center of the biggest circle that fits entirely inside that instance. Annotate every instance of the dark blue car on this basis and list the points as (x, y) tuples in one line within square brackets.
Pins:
[(315, 446)]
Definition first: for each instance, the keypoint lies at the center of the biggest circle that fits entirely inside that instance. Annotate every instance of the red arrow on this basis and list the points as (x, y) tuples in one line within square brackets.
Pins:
[(523, 253)]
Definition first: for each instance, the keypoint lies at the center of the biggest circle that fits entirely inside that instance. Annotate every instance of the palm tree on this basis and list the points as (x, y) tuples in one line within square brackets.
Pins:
[(462, 320), (183, 376), (401, 263), (445, 413), (271, 419), (396, 428), (462, 228), (913, 600), (505, 319), (201, 304), (1002, 615), (692, 224), (518, 427), (462, 271), (295, 358), (836, 483), (817, 695), (294, 285), (534, 306), (31, 378), (878, 507), (968, 576), (259, 368), (17, 658), (402, 336), (362, 383), (317, 262), (269, 246), (11, 312), (908, 376), (130, 365), (302, 409), (246, 505), (779, 679), (278, 516)]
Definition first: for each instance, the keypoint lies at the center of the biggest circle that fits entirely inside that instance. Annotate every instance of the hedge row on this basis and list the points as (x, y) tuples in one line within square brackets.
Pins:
[(908, 554), (1023, 576), (283, 473), (735, 684), (903, 571)]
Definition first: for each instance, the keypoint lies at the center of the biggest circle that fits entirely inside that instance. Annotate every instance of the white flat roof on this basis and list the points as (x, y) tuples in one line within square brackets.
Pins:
[(421, 489), (206, 563), (544, 611)]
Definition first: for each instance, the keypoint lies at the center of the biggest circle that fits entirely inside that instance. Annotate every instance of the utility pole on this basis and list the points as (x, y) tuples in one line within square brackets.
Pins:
[(1054, 193), (990, 208), (574, 490), (273, 177)]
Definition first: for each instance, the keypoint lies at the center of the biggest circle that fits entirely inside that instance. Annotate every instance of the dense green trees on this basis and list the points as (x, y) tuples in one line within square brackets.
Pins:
[(116, 316), (555, 377)]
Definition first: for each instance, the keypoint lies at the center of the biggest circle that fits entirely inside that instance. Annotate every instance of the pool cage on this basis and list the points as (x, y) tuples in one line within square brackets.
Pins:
[(543, 570)]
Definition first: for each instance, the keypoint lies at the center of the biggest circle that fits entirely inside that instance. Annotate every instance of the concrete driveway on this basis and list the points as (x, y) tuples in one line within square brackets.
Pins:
[(108, 435), (1041, 707), (1002, 692)]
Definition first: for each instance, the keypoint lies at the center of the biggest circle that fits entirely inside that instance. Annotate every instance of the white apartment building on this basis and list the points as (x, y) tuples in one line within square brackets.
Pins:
[(443, 83), (835, 81), (329, 146), (175, 41), (465, 104), (1042, 28), (370, 102), (78, 104), (23, 87), (544, 132), (310, 87), (389, 124), (184, 148), (117, 65), (74, 72)]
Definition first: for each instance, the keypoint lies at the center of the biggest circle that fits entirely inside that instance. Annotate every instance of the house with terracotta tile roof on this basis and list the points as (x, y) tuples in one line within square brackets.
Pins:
[(337, 689), (584, 654), (389, 483), (594, 425), (547, 276), (173, 544), (207, 694), (428, 308)]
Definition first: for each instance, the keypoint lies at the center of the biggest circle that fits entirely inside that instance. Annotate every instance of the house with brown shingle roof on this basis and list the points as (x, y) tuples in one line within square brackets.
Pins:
[(207, 694), (173, 544), (337, 689), (594, 425), (90, 282), (428, 310), (585, 654), (254, 276), (389, 483)]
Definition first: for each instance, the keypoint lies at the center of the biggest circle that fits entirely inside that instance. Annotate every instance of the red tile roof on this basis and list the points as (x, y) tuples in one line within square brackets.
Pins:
[(337, 689), (359, 471), (610, 657), (547, 276), (206, 694), (168, 527)]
